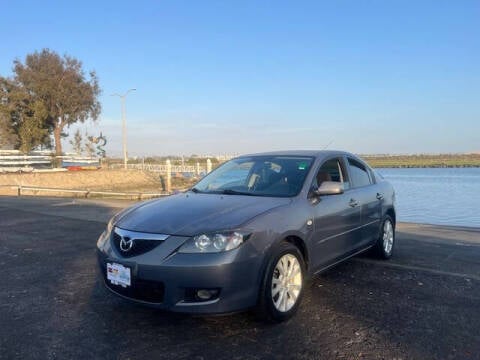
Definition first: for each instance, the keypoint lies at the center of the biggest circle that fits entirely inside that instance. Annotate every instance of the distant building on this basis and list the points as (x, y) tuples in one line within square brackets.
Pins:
[(224, 157)]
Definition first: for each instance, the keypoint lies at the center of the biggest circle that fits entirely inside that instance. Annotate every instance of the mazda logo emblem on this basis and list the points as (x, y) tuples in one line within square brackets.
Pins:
[(126, 244)]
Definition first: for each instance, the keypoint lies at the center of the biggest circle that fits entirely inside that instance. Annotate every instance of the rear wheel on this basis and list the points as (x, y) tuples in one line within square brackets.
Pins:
[(386, 240), (282, 285)]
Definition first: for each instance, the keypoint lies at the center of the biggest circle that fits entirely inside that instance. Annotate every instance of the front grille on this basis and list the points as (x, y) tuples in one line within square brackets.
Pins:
[(143, 290), (140, 246)]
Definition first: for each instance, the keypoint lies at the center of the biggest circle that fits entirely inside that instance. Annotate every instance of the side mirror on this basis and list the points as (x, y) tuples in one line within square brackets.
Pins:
[(330, 188)]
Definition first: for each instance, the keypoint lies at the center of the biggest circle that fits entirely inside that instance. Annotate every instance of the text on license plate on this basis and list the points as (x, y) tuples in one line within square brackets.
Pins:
[(118, 274)]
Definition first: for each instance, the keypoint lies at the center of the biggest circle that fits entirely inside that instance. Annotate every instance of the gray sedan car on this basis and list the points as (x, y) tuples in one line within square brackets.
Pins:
[(249, 234)]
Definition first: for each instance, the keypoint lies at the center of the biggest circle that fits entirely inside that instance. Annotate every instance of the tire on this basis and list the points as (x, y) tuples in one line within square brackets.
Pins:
[(273, 306), (385, 244)]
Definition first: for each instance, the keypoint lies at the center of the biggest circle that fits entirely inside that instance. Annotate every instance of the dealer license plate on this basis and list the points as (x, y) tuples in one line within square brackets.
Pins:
[(118, 274)]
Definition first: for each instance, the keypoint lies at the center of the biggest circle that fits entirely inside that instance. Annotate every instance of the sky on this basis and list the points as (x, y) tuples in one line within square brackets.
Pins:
[(232, 77)]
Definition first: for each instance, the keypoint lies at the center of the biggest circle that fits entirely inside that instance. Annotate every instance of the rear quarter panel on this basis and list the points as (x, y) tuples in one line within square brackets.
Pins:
[(388, 196)]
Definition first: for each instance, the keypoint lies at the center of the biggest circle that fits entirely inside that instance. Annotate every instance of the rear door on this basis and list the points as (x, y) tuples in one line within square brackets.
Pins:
[(336, 221), (369, 200)]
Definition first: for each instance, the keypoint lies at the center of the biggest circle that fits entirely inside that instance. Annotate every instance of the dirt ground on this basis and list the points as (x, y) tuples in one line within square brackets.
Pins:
[(105, 180)]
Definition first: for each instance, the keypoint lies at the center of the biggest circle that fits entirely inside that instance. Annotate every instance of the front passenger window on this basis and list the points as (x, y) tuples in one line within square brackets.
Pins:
[(331, 170)]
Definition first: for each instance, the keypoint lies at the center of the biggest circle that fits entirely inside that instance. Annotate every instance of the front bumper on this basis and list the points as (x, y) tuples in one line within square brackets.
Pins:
[(164, 279)]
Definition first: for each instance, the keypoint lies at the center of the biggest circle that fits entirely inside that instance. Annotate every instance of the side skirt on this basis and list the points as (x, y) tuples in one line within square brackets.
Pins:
[(342, 260)]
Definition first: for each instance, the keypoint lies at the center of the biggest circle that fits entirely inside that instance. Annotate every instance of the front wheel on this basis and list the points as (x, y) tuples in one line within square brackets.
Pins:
[(282, 285), (386, 239)]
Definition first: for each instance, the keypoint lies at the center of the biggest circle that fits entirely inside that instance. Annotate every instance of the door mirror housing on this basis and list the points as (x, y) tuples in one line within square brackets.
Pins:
[(330, 188)]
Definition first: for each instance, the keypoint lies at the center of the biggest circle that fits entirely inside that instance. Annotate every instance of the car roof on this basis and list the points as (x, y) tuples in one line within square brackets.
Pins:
[(313, 153)]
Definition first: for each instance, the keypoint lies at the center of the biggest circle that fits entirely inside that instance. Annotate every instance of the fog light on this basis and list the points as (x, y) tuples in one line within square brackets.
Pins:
[(206, 294)]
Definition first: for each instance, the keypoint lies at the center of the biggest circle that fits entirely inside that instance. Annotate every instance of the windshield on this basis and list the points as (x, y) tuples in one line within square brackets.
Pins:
[(278, 176)]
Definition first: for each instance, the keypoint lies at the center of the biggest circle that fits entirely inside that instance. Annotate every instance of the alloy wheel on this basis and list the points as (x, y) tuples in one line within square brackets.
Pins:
[(388, 236), (286, 282)]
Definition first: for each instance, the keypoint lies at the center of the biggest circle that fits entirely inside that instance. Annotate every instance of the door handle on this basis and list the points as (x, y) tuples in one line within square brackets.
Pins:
[(353, 203), (379, 196)]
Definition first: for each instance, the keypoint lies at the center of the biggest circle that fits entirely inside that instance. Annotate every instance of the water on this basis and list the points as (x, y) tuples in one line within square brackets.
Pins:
[(437, 196)]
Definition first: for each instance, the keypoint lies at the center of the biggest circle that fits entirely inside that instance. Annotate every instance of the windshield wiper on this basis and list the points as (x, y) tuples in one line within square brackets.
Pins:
[(235, 192), (224, 192)]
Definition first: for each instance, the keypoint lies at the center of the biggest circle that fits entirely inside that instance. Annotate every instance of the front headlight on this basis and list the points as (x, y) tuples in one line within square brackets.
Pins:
[(106, 234), (110, 224), (102, 239), (214, 243)]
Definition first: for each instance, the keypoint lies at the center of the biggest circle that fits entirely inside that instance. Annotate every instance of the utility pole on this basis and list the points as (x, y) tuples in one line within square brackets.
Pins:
[(124, 126)]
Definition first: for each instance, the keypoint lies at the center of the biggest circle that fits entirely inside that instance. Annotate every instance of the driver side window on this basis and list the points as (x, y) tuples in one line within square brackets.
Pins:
[(332, 170)]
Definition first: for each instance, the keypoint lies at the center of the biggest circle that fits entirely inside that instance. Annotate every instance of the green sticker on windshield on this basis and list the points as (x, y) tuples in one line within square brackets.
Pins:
[(302, 166)]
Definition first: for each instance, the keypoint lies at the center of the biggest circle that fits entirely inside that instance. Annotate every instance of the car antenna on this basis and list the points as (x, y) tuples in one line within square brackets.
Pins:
[(326, 146)]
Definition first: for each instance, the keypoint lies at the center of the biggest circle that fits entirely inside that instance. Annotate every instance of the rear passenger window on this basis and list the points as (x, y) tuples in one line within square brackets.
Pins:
[(358, 173)]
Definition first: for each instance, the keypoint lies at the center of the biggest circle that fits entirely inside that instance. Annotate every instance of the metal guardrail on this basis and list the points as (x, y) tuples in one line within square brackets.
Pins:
[(20, 189)]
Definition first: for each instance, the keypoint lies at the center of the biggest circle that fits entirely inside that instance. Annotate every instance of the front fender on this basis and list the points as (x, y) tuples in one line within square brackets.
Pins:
[(280, 224)]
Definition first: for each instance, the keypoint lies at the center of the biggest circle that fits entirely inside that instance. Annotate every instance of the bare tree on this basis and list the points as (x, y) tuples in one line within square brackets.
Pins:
[(76, 142), (89, 145)]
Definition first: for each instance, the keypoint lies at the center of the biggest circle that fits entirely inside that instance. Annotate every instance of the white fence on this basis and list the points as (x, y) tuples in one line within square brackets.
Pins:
[(168, 169), (15, 161), (191, 169), (196, 169)]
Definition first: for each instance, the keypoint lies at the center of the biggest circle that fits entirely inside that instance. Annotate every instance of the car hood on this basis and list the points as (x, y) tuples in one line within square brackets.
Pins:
[(191, 214)]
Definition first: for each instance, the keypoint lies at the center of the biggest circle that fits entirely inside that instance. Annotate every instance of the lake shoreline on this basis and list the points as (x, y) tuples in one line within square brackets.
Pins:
[(424, 167), (424, 161), (404, 226)]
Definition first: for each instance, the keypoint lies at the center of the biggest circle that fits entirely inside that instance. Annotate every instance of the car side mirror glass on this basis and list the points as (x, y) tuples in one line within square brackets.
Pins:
[(330, 188)]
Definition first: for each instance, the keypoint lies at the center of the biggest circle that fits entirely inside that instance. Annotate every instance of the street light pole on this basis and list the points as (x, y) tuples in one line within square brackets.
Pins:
[(124, 126)]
